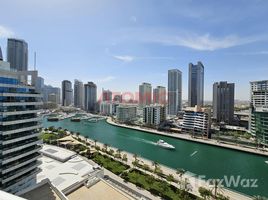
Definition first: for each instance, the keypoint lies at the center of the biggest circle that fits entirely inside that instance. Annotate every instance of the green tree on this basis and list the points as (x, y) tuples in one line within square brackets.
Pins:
[(180, 172), (86, 137), (155, 165), (170, 178), (259, 198), (205, 193), (118, 151), (125, 158), (95, 143), (216, 186), (105, 146)]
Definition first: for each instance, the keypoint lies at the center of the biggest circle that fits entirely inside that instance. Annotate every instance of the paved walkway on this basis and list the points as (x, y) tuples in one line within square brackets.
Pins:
[(189, 138), (195, 183)]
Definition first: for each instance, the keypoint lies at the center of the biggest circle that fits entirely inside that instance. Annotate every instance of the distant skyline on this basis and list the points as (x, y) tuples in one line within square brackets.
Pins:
[(118, 44)]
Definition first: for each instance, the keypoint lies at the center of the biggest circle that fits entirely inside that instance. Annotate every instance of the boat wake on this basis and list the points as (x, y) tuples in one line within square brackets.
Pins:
[(144, 141), (195, 152), (266, 162)]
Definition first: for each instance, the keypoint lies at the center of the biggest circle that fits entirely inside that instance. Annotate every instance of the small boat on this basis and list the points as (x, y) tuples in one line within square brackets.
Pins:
[(75, 119), (266, 162), (164, 144), (53, 119)]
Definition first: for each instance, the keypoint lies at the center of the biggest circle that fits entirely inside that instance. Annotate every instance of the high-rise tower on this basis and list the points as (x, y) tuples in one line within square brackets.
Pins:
[(174, 91), (196, 85), (17, 54)]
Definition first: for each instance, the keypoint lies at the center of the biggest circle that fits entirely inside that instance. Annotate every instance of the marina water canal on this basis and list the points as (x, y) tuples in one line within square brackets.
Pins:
[(200, 159)]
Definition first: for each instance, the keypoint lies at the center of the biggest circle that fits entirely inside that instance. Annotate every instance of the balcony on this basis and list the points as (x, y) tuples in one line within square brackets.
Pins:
[(34, 103), (20, 138), (21, 154), (18, 112), (14, 184), (8, 177), (18, 147), (6, 123), (28, 128), (17, 94), (20, 163), (16, 86)]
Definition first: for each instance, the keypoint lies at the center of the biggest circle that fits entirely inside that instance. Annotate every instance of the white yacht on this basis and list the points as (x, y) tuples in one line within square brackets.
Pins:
[(164, 144)]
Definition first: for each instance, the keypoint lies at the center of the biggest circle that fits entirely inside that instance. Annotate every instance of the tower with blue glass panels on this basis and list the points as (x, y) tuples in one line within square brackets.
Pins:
[(19, 129)]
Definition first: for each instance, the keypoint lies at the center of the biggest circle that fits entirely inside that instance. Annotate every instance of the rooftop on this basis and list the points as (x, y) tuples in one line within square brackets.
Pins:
[(100, 191), (57, 153), (44, 192), (63, 174)]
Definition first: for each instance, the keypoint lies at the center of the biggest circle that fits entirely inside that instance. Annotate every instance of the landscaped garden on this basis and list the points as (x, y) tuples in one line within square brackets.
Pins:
[(156, 186), (109, 163)]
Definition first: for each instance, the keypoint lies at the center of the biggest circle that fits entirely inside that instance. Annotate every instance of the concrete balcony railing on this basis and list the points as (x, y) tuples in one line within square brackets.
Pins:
[(15, 148), (17, 94), (20, 155), (34, 119), (21, 103), (8, 132), (20, 172), (19, 164), (10, 141), (14, 185), (20, 112), (16, 86)]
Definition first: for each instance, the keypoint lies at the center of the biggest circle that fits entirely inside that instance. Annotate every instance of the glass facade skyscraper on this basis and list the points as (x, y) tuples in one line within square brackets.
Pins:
[(17, 54), (196, 85), (90, 97), (174, 91), (19, 130), (223, 102), (78, 94), (67, 93)]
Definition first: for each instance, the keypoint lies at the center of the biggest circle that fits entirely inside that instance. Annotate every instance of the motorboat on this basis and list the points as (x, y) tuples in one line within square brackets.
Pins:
[(164, 144)]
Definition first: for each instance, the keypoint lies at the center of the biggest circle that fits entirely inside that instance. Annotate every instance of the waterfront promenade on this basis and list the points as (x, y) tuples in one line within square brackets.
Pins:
[(193, 181), (189, 138)]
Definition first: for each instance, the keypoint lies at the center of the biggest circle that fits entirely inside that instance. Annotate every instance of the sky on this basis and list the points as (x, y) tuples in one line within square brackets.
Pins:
[(118, 44)]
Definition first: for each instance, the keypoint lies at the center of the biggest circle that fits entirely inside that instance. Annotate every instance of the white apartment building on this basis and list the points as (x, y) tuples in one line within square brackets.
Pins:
[(197, 121), (154, 114), (126, 113), (108, 108)]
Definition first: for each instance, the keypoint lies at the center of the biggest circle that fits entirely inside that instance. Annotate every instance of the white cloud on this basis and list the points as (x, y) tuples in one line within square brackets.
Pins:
[(184, 38), (106, 79), (125, 58), (128, 58), (205, 42), (5, 32)]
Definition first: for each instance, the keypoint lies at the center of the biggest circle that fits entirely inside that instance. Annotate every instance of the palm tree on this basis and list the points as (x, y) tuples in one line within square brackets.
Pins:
[(170, 178), (118, 151), (86, 137), (259, 198), (135, 156), (136, 161), (180, 172), (95, 143), (125, 158), (186, 185), (216, 186), (105, 146), (257, 142), (155, 165)]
